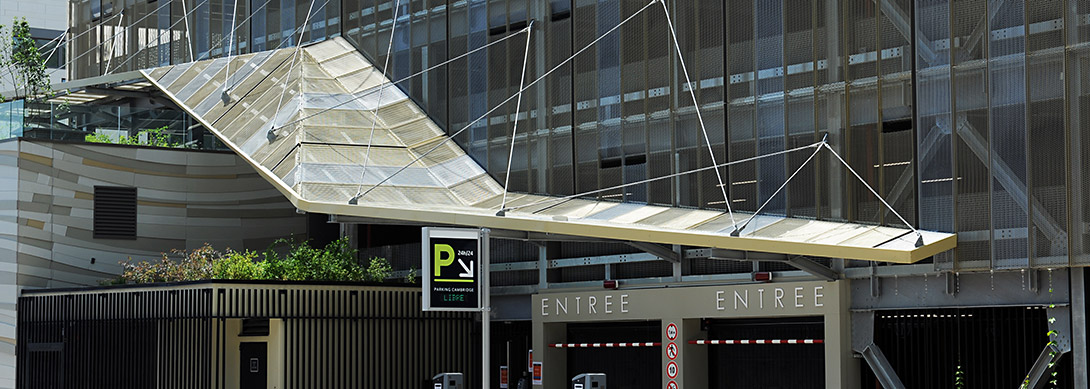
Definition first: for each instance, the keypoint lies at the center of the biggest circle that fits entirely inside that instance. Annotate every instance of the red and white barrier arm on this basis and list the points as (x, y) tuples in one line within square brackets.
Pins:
[(757, 341), (596, 345)]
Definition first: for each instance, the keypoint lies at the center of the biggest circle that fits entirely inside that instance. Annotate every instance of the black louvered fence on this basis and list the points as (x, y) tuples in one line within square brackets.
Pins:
[(187, 335)]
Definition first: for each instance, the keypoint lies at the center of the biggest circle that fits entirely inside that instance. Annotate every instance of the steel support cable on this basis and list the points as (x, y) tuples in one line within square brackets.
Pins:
[(105, 40), (366, 93), (189, 35), (237, 26), (369, 92), (378, 104), (622, 186), (515, 126), (47, 57), (58, 45), (493, 109), (738, 230), (267, 76), (157, 37), (218, 44), (113, 40), (696, 105), (919, 236), (294, 59), (230, 46)]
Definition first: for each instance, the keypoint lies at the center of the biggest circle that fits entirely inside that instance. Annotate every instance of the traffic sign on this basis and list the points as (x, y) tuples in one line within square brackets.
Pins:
[(671, 351), (671, 385), (450, 266), (671, 331), (671, 369)]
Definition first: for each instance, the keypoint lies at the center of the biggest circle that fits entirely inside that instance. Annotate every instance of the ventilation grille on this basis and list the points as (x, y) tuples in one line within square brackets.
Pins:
[(115, 212)]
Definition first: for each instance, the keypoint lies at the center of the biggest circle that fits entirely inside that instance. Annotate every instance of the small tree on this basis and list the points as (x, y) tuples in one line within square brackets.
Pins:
[(22, 62)]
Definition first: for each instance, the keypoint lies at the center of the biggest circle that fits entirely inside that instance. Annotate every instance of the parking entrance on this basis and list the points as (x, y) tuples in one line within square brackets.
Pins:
[(765, 353), (629, 353)]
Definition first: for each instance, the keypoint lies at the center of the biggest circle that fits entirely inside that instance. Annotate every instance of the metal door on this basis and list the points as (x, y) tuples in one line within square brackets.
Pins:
[(254, 371)]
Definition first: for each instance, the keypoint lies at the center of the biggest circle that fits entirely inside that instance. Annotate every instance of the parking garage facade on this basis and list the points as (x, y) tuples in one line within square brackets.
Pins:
[(962, 115)]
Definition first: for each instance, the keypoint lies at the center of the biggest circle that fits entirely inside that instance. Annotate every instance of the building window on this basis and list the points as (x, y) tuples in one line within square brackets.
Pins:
[(115, 212)]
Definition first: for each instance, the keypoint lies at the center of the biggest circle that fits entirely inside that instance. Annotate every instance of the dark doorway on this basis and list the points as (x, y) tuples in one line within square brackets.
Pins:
[(254, 370), (511, 343), (763, 365)]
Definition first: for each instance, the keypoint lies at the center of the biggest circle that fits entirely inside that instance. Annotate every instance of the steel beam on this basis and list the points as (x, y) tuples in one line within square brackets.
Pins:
[(814, 268), (927, 153), (973, 289), (1010, 181), (657, 250), (863, 343), (981, 29), (900, 20), (1036, 376), (736, 255), (881, 367)]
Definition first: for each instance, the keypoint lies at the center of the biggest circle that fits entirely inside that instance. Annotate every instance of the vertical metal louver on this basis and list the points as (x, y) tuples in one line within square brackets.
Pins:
[(115, 212)]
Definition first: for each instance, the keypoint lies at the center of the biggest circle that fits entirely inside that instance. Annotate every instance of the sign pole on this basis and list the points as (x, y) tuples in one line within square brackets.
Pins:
[(486, 309)]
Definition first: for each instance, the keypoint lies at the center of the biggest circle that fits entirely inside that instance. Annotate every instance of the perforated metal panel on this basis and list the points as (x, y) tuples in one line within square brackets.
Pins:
[(302, 127)]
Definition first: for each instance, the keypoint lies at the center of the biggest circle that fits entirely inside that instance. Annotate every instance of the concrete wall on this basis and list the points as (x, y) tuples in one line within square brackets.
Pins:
[(184, 199)]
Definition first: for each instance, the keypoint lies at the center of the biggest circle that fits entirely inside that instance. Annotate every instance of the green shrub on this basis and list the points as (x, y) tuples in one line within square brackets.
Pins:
[(334, 262), (191, 266), (238, 266), (157, 137), (378, 269)]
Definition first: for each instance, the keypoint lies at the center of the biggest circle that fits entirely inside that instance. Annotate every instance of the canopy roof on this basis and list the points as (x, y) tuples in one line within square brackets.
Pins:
[(303, 118)]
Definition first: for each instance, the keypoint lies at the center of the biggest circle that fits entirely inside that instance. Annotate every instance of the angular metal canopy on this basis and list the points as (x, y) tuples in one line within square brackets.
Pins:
[(303, 119)]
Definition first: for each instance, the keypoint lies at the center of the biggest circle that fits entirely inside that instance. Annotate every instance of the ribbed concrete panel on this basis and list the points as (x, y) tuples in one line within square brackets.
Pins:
[(305, 123), (184, 199)]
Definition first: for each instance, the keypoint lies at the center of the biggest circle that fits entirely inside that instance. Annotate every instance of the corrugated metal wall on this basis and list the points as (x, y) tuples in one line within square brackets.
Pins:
[(335, 336)]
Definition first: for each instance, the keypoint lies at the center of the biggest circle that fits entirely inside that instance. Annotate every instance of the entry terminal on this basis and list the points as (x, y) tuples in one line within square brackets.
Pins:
[(589, 381), (448, 381)]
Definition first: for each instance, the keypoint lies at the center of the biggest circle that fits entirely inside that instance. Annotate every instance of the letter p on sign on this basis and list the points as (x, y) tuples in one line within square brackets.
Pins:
[(440, 249)]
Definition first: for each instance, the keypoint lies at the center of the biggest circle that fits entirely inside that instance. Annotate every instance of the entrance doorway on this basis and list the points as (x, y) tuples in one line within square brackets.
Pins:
[(771, 366), (253, 362), (624, 367)]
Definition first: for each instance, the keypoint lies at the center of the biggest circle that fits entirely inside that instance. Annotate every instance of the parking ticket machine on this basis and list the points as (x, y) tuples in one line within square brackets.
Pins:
[(448, 381), (589, 381)]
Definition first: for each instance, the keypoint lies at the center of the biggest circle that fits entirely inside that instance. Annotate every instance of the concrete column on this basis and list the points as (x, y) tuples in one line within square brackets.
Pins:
[(692, 359), (841, 369), (555, 371)]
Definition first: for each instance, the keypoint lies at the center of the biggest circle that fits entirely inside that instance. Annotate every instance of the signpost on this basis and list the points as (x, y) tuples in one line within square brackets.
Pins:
[(455, 269)]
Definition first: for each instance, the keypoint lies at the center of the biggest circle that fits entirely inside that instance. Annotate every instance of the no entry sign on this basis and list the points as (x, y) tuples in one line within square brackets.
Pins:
[(671, 351)]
